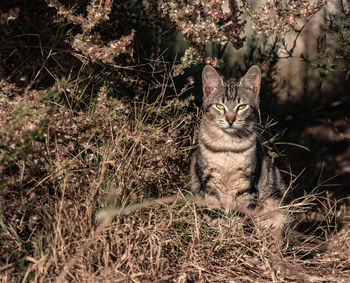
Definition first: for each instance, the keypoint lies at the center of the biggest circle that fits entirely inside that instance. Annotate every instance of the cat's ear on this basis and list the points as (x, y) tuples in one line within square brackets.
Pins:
[(211, 80), (252, 80)]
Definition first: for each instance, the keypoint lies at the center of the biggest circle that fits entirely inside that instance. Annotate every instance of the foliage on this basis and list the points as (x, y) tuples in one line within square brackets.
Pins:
[(22, 122), (200, 22), (275, 16), (331, 58)]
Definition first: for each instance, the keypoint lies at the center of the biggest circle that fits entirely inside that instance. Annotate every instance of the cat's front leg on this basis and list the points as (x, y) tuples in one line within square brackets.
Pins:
[(272, 218)]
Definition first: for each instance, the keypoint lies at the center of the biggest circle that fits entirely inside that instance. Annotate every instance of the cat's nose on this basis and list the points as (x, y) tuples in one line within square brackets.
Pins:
[(230, 118)]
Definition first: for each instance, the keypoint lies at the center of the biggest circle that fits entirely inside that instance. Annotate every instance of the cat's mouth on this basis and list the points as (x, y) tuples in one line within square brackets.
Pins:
[(233, 130), (230, 129)]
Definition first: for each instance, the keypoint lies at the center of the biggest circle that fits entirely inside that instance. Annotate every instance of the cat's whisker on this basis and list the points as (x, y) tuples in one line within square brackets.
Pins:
[(260, 138), (263, 128)]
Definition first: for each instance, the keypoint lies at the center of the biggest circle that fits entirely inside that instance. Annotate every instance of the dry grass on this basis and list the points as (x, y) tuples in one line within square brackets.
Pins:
[(101, 195)]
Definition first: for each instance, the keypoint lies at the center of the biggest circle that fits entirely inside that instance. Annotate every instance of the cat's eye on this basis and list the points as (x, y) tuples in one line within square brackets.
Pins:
[(241, 107), (220, 106)]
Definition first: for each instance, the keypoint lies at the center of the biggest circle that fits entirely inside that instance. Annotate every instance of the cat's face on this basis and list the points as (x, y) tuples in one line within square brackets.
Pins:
[(231, 105), (231, 116)]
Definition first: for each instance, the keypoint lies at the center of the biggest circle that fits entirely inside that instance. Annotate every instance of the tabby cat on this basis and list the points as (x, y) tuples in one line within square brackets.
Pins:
[(230, 165)]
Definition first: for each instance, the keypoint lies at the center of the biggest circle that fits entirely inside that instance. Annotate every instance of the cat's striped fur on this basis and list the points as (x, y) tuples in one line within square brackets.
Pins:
[(230, 164)]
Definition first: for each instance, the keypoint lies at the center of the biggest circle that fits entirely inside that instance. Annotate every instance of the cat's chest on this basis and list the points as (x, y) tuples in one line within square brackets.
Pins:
[(229, 172), (229, 161)]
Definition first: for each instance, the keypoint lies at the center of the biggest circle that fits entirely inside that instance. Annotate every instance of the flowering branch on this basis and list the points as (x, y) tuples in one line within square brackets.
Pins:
[(200, 21), (278, 16), (89, 43)]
